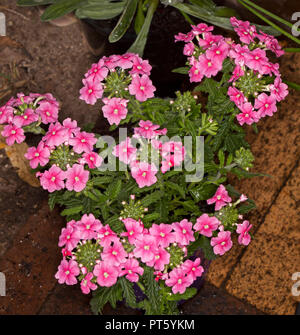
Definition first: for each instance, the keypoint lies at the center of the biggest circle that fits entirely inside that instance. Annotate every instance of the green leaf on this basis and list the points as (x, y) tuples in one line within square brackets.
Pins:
[(152, 290), (203, 191), (245, 208), (149, 218), (114, 189), (151, 198), (72, 210), (181, 70), (140, 18), (52, 200), (59, 9), (101, 11), (102, 180), (128, 292), (188, 294), (202, 242), (124, 21), (176, 187), (35, 2), (104, 295), (240, 173), (139, 45)]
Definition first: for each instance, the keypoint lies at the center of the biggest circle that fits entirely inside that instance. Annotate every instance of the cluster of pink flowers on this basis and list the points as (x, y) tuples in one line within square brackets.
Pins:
[(120, 76), (68, 149), (251, 66), (24, 111), (171, 153)]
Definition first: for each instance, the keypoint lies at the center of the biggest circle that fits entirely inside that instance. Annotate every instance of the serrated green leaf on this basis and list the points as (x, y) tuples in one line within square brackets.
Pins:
[(72, 210), (128, 292), (114, 189), (176, 187)]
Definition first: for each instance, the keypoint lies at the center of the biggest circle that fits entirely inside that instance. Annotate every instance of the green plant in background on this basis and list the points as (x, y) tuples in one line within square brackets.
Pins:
[(138, 13)]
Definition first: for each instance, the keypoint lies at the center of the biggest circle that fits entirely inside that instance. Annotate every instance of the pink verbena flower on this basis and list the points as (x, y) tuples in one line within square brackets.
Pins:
[(107, 274), (222, 243), (218, 52), (145, 248), (77, 178), (142, 88), (243, 231), (91, 91), (248, 115), (160, 259), (149, 130), (220, 198), (87, 285), (115, 110), (271, 43), (134, 230), (114, 254), (246, 32), (196, 72), (53, 179), (13, 134), (256, 59), (179, 281), (6, 114), (279, 89), (38, 155), (209, 67), (106, 236), (97, 72), (67, 272), (183, 232), (201, 28), (125, 151), (193, 268), (206, 225), (71, 126), (209, 40), (163, 234), (48, 111), (236, 96), (184, 37), (83, 142), (131, 270), (144, 173), (92, 159), (88, 226), (189, 49), (140, 67), (28, 117), (56, 135), (69, 238), (266, 104)]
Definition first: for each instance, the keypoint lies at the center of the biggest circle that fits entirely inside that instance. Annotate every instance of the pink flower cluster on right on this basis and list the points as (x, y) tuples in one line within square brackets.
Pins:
[(251, 66)]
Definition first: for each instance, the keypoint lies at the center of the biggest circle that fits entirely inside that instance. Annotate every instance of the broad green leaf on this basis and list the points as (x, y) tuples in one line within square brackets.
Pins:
[(188, 294), (203, 243), (181, 70), (35, 2), (139, 18), (101, 11), (114, 189), (61, 8), (124, 21), (71, 211), (203, 191)]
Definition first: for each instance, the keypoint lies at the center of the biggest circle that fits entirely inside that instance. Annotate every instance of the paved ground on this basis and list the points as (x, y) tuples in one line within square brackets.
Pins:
[(253, 280)]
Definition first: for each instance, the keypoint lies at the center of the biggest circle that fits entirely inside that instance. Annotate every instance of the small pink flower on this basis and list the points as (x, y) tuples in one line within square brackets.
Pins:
[(56, 135), (134, 230), (39, 155), (97, 72), (125, 151), (255, 59), (69, 238), (6, 114), (145, 248), (266, 104), (115, 110), (196, 72), (209, 67), (148, 130), (28, 117), (106, 236), (218, 52), (83, 142), (53, 179), (47, 111), (184, 37), (201, 28), (243, 231), (13, 134), (188, 49), (279, 89), (131, 270), (91, 91), (92, 159), (183, 232), (107, 274), (236, 96), (142, 88), (144, 173), (209, 40), (243, 198), (222, 243), (87, 285), (220, 198), (88, 226), (163, 234), (206, 225), (140, 66), (179, 281), (237, 73), (67, 272), (161, 258), (193, 268), (71, 126), (77, 178), (114, 254), (248, 115)]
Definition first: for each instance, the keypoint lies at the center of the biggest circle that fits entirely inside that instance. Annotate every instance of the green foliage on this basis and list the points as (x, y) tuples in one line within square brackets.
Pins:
[(103, 295)]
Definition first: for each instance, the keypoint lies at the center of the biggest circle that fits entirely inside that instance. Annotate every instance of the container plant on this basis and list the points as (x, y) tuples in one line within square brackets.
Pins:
[(147, 211)]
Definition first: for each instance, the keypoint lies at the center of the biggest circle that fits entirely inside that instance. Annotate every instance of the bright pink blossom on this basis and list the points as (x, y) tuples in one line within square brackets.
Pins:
[(107, 274), (67, 272), (69, 238), (71, 126), (179, 281), (220, 198), (28, 117), (87, 285), (53, 179), (161, 258), (145, 248), (193, 268), (142, 88), (266, 104), (47, 111), (256, 59), (91, 91), (206, 225), (243, 231), (13, 134), (236, 96), (83, 142), (106, 236), (144, 173), (183, 232), (222, 243), (114, 254), (125, 151), (163, 234), (140, 67), (131, 270), (279, 89), (77, 178), (209, 67), (56, 135), (92, 159), (115, 110), (6, 114), (88, 226), (201, 28), (149, 130), (248, 115), (38, 155), (134, 229)]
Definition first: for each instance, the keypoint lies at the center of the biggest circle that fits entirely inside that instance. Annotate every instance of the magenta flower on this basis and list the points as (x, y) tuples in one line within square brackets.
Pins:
[(218, 52), (201, 28), (221, 243), (149, 130), (114, 254), (184, 37), (88, 226), (161, 258), (67, 272), (255, 59), (13, 134), (206, 225), (163, 234), (53, 179), (266, 104), (48, 111), (131, 270), (279, 89), (140, 67), (83, 142), (209, 67), (134, 230), (193, 268), (188, 49), (125, 151), (236, 96), (87, 285), (56, 135), (209, 40), (6, 114), (220, 198), (28, 117), (179, 281), (196, 72), (243, 231), (38, 155), (248, 115), (92, 159), (144, 173), (142, 88), (107, 236), (107, 274), (183, 232), (97, 72), (91, 91), (77, 178), (71, 126), (115, 110), (69, 238), (145, 248)]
